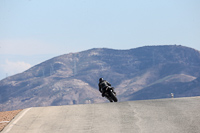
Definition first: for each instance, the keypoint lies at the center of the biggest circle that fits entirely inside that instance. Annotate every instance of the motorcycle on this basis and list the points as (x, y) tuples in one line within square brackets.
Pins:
[(110, 95)]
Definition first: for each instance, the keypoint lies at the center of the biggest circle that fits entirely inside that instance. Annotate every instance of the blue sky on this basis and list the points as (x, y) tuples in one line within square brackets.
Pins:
[(32, 31)]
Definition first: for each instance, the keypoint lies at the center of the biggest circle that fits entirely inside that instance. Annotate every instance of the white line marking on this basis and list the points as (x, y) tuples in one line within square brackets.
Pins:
[(12, 124), (4, 121)]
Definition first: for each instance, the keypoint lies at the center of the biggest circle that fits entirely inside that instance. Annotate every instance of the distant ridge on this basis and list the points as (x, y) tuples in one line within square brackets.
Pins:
[(148, 72)]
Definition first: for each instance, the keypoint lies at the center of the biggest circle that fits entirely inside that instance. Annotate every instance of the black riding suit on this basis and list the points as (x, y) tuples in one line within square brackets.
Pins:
[(103, 85)]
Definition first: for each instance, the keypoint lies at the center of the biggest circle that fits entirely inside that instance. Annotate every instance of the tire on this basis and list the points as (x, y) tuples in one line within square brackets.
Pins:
[(114, 98), (109, 98)]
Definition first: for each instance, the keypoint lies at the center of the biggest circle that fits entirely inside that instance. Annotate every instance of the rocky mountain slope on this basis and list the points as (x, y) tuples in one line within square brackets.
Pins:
[(142, 73)]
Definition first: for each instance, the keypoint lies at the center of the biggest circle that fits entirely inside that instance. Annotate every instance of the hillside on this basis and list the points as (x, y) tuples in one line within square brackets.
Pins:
[(136, 74)]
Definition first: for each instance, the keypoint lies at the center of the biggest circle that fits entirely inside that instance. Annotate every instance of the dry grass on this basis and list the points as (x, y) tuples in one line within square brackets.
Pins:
[(6, 117)]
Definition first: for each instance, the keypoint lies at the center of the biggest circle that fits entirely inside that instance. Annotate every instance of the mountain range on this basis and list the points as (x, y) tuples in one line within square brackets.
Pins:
[(149, 72)]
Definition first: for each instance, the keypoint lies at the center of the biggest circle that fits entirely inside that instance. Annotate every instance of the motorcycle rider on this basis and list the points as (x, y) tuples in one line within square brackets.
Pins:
[(103, 84)]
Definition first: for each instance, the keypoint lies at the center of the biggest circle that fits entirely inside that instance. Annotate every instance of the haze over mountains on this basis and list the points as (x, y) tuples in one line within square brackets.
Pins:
[(148, 72)]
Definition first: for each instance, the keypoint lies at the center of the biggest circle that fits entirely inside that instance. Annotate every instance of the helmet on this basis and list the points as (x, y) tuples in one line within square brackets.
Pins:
[(101, 79)]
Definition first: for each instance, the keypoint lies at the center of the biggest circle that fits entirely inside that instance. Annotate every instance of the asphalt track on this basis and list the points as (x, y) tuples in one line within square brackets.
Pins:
[(176, 115)]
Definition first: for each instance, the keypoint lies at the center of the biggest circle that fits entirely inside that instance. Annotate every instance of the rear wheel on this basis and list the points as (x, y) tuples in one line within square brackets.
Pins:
[(109, 98), (113, 97)]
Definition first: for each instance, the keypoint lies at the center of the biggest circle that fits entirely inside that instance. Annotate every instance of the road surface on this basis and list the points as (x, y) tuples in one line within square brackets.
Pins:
[(175, 115)]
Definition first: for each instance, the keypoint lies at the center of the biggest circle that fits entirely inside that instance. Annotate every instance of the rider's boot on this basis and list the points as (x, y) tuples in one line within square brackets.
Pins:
[(103, 94)]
